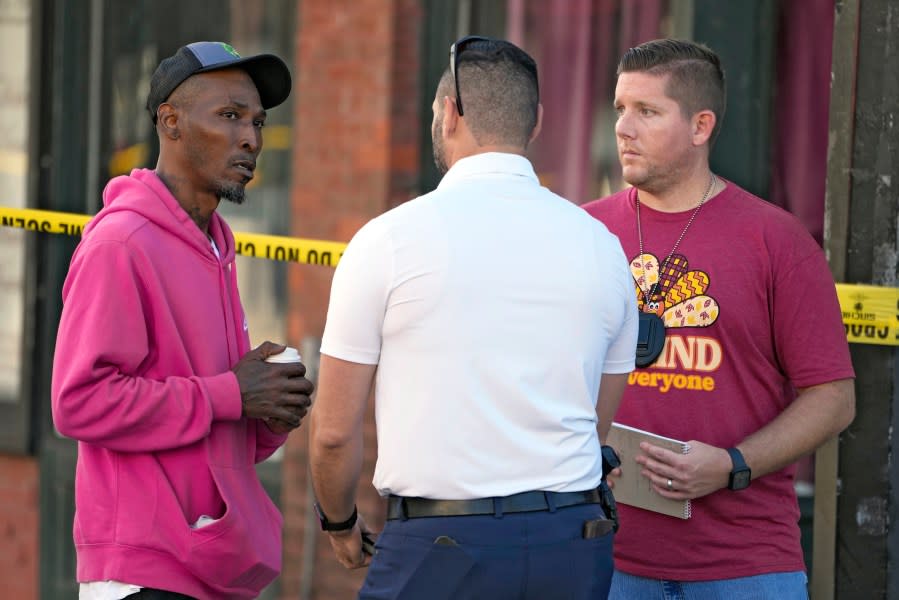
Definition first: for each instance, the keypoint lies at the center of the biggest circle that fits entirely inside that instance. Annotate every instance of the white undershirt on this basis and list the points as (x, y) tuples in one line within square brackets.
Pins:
[(106, 590)]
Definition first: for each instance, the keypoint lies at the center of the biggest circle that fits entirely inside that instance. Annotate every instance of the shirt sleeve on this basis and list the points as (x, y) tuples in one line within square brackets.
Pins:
[(359, 293), (267, 441), (809, 334), (622, 352), (98, 394)]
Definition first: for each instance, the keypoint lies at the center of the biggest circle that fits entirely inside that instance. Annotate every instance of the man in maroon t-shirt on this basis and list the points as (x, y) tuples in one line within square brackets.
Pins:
[(753, 367)]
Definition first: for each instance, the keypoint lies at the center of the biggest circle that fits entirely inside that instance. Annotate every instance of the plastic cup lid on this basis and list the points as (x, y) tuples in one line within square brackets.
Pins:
[(290, 355)]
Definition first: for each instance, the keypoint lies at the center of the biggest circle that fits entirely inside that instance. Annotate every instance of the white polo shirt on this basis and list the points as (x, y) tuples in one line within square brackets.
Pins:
[(492, 307)]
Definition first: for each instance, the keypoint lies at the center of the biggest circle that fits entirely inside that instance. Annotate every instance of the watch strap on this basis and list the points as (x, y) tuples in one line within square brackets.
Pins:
[(739, 467), (737, 459), (339, 526)]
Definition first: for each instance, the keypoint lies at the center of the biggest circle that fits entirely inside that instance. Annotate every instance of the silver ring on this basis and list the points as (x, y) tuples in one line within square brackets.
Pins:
[(670, 485)]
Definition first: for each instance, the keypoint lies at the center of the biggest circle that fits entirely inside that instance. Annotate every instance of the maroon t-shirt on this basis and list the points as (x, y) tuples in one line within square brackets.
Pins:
[(751, 313)]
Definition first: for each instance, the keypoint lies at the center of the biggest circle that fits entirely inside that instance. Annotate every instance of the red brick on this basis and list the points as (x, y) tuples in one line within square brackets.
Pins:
[(356, 135), (19, 527)]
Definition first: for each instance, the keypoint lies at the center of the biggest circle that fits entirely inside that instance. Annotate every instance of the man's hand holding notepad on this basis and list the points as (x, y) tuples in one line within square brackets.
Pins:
[(631, 487)]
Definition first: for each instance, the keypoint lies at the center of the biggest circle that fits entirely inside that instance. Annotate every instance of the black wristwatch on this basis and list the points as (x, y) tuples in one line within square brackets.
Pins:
[(329, 526), (740, 474)]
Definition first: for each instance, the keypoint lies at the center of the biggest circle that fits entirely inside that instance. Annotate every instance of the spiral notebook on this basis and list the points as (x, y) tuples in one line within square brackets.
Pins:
[(632, 488)]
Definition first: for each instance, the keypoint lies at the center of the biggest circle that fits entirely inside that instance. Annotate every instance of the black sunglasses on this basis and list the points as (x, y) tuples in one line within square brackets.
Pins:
[(455, 51)]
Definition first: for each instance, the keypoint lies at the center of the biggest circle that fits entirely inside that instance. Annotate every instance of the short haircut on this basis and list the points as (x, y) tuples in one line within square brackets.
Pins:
[(696, 79), (499, 89), (186, 93)]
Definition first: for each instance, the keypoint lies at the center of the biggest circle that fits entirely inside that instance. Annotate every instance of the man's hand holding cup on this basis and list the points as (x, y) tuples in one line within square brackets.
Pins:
[(273, 386)]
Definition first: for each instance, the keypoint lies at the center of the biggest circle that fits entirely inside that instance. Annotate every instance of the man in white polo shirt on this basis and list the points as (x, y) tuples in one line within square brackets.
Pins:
[(501, 321)]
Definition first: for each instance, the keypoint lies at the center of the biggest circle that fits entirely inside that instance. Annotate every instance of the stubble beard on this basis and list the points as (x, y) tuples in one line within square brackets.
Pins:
[(438, 147), (642, 180), (232, 192), (654, 179), (223, 189)]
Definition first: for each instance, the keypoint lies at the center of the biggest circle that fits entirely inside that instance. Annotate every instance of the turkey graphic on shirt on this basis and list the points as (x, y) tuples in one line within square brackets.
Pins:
[(677, 295)]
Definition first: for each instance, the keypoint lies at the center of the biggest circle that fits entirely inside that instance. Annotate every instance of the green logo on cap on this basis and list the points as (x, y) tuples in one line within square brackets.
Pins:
[(230, 50)]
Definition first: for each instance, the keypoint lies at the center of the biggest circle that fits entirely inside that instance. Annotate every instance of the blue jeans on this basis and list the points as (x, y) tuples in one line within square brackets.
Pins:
[(515, 556), (771, 586)]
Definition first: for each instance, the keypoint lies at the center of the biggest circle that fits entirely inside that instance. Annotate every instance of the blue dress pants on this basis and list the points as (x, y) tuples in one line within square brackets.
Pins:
[(512, 556)]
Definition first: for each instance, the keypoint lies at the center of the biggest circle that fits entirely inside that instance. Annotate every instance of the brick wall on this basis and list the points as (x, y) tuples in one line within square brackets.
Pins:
[(356, 154), (19, 527)]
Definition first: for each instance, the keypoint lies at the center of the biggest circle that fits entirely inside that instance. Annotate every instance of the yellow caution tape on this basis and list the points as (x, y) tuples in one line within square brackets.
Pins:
[(299, 250), (43, 220), (272, 247), (870, 313)]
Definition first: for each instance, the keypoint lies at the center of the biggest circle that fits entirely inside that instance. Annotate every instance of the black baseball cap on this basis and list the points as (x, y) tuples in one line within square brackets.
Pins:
[(268, 72)]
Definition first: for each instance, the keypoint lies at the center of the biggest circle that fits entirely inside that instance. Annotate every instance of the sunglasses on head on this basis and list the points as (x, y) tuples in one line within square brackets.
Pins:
[(455, 51)]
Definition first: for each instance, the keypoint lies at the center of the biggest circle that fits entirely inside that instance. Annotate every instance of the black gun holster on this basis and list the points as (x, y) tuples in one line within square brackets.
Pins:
[(610, 461)]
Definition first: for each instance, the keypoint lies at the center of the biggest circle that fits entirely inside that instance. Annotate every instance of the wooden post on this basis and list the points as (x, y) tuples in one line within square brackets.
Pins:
[(836, 228)]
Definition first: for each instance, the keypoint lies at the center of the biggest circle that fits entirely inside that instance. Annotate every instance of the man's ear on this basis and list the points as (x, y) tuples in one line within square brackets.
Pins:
[(703, 125), (167, 121), (450, 116), (539, 124)]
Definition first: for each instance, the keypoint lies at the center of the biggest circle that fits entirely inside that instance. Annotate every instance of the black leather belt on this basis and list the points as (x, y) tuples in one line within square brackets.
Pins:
[(399, 507)]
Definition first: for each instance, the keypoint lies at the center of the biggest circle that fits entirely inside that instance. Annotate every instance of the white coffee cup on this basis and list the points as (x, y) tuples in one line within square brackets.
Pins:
[(289, 355)]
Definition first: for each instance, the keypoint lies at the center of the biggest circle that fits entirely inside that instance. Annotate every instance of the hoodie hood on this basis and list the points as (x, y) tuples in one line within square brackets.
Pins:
[(129, 193)]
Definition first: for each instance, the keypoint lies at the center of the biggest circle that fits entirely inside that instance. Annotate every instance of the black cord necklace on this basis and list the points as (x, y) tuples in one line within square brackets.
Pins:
[(651, 332)]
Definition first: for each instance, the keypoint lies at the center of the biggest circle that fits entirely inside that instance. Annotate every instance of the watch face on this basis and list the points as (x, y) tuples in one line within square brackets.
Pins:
[(741, 480)]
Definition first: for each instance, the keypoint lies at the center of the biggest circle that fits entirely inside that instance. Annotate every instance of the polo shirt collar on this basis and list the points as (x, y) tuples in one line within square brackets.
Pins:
[(489, 163)]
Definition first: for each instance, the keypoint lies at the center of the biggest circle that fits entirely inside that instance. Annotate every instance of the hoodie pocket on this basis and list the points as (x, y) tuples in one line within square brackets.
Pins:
[(240, 553)]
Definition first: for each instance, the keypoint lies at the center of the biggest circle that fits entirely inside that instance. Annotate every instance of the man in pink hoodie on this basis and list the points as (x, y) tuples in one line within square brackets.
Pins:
[(153, 372)]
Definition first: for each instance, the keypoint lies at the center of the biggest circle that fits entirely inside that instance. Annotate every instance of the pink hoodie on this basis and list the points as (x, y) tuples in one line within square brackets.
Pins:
[(151, 325)]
